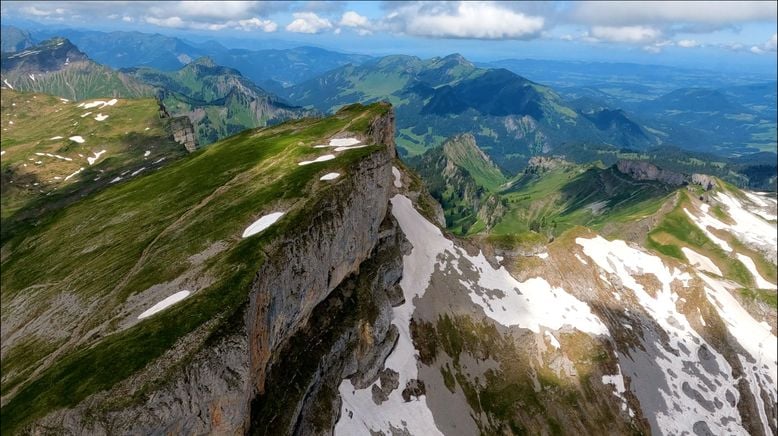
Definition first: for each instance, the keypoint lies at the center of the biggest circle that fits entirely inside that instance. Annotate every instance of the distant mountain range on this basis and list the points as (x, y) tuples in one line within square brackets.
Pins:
[(218, 100), (136, 49), (511, 117)]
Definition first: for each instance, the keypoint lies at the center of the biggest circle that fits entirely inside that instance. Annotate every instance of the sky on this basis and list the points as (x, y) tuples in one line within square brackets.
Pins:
[(736, 35)]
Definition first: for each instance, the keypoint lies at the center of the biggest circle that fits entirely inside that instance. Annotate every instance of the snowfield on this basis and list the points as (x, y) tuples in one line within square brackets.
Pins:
[(696, 387)]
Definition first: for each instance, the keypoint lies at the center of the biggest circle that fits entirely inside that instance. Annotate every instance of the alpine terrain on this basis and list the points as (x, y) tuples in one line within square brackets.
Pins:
[(313, 219)]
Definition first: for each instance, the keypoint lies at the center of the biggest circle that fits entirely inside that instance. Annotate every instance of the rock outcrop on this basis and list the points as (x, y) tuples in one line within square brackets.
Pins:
[(642, 170), (707, 182)]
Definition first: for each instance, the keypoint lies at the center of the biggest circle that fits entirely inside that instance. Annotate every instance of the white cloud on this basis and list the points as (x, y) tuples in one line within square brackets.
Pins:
[(353, 19), (647, 12), (247, 24), (477, 20), (769, 46), (687, 43), (308, 22), (127, 19), (629, 34), (174, 22)]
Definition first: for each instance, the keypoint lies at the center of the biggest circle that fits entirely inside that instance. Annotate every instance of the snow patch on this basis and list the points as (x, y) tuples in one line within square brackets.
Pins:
[(77, 138), (74, 173), (147, 153), (700, 262), (324, 158), (164, 304), (100, 117), (262, 223), (397, 177), (96, 156), (761, 282), (330, 176), (54, 138), (552, 339)]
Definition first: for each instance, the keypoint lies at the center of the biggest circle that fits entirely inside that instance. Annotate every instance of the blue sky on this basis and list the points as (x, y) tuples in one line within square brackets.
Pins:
[(725, 35)]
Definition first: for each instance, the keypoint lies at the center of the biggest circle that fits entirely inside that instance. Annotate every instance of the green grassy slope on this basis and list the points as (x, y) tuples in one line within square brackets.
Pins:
[(143, 232), (33, 181)]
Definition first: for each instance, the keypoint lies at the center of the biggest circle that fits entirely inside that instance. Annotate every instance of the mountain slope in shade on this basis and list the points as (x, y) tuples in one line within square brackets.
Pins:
[(57, 67), (464, 181), (218, 100)]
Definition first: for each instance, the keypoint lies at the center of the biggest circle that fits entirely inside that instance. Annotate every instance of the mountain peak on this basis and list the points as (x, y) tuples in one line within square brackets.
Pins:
[(205, 61)]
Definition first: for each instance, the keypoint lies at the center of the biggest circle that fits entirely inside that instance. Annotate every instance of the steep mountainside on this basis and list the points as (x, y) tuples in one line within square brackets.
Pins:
[(511, 117), (218, 100), (244, 244), (55, 151), (464, 181), (58, 68)]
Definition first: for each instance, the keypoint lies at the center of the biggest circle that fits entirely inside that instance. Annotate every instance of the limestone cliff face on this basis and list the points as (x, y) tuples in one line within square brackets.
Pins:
[(642, 170), (347, 251)]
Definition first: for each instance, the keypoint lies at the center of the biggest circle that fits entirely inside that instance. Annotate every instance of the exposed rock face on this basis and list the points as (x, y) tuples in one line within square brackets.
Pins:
[(183, 133), (707, 182), (347, 251), (545, 163), (642, 170)]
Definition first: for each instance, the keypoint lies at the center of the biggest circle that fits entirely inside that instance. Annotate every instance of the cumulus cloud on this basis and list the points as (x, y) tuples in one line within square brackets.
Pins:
[(308, 22), (629, 34), (353, 19), (359, 23), (647, 12), (477, 20), (199, 15), (769, 46)]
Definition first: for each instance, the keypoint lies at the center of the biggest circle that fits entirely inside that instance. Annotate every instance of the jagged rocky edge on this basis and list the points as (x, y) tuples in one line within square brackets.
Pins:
[(212, 391)]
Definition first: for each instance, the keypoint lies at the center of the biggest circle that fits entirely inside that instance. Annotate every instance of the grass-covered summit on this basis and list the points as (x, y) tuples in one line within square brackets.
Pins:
[(75, 284)]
